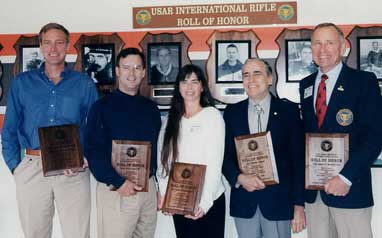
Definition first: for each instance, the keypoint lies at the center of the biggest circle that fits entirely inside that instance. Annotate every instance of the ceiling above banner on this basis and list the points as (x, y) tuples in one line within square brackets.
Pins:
[(265, 13)]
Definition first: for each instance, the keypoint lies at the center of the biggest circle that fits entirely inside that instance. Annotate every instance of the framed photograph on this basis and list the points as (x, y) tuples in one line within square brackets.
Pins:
[(1, 77), (370, 55), (166, 53), (230, 57), (164, 60), (31, 57), (99, 62), (299, 61)]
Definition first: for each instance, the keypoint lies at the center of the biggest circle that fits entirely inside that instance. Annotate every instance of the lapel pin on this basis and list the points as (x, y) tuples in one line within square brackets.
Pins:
[(275, 113), (340, 88)]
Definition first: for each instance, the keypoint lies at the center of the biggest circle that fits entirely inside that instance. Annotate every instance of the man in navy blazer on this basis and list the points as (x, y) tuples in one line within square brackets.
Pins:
[(354, 103), (259, 210)]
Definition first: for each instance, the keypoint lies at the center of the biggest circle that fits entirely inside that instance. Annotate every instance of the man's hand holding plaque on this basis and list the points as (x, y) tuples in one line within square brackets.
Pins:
[(61, 150), (256, 159), (326, 155), (184, 189), (131, 160)]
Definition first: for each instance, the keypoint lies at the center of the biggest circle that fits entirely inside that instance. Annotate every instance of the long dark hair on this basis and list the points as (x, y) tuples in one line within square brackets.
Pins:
[(177, 110)]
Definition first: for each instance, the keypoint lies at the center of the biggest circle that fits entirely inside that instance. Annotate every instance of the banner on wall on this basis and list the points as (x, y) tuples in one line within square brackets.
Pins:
[(215, 15)]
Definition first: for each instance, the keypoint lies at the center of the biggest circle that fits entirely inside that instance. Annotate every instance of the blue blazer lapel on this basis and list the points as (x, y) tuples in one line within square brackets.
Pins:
[(273, 111), (242, 118), (308, 102)]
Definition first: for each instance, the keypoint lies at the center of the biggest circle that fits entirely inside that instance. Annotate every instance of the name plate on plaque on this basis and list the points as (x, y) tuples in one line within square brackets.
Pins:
[(60, 149), (184, 188), (325, 156), (131, 160), (255, 156)]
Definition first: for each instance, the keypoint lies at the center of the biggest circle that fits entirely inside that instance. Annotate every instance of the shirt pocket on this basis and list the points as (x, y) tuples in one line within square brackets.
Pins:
[(70, 109)]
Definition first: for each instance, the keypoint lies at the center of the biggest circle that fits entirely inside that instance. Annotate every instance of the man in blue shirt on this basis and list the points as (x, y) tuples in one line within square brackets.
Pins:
[(122, 209), (51, 95)]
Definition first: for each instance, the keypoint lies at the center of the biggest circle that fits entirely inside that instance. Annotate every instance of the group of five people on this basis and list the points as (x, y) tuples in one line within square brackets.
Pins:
[(193, 131)]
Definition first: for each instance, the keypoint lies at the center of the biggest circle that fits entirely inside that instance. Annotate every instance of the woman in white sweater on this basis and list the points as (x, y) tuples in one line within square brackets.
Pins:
[(193, 132)]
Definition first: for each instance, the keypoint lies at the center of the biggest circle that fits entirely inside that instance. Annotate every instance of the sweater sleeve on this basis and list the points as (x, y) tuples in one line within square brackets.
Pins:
[(98, 149), (162, 178), (214, 153)]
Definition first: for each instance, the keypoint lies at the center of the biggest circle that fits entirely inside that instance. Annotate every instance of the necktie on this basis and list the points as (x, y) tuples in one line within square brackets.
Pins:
[(321, 105), (258, 111)]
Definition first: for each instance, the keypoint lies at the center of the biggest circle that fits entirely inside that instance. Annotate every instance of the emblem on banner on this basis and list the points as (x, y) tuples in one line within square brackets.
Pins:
[(344, 117), (143, 17), (285, 12)]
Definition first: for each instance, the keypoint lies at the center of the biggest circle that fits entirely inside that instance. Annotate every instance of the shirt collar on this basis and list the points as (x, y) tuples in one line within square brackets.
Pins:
[(63, 73), (263, 102), (333, 73)]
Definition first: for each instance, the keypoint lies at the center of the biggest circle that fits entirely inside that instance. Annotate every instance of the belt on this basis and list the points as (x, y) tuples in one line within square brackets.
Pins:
[(33, 152)]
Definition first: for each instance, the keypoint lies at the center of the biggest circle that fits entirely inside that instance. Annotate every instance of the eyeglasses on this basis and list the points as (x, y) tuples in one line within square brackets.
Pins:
[(137, 68)]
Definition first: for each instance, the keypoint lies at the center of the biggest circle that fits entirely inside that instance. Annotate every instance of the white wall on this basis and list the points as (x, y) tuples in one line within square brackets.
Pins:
[(21, 16)]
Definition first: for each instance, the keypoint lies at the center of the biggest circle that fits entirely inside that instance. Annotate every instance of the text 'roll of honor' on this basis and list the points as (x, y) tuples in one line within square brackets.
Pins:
[(60, 149), (255, 156), (325, 156), (131, 160), (184, 189)]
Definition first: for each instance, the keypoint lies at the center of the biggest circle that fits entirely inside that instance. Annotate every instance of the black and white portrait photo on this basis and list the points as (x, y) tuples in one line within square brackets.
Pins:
[(370, 55), (299, 60), (230, 57), (31, 58), (164, 61), (98, 61)]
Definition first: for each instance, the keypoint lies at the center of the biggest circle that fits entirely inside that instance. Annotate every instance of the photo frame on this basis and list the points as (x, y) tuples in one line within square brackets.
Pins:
[(361, 43), (299, 60), (107, 48), (31, 57), (1, 77), (99, 62), (289, 42), (161, 90), (164, 61), (227, 91), (27, 51), (230, 57), (369, 54)]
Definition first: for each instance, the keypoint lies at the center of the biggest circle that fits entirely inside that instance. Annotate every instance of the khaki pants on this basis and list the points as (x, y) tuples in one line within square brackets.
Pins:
[(37, 196), (125, 217), (330, 222)]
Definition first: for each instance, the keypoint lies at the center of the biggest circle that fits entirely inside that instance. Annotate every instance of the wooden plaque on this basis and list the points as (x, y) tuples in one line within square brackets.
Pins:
[(226, 91), (131, 160), (290, 43), (184, 188), (162, 93), (95, 41), (60, 149), (255, 156), (325, 156)]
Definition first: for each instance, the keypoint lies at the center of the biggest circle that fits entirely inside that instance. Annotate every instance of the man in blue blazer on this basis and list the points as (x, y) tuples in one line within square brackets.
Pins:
[(352, 102), (259, 210)]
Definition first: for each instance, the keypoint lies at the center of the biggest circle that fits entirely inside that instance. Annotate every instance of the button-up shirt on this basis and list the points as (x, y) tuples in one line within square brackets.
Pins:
[(329, 83), (35, 101), (265, 105)]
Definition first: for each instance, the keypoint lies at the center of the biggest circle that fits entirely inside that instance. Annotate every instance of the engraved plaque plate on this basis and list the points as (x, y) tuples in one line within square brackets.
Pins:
[(60, 149), (184, 188), (255, 156), (131, 160), (325, 156)]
